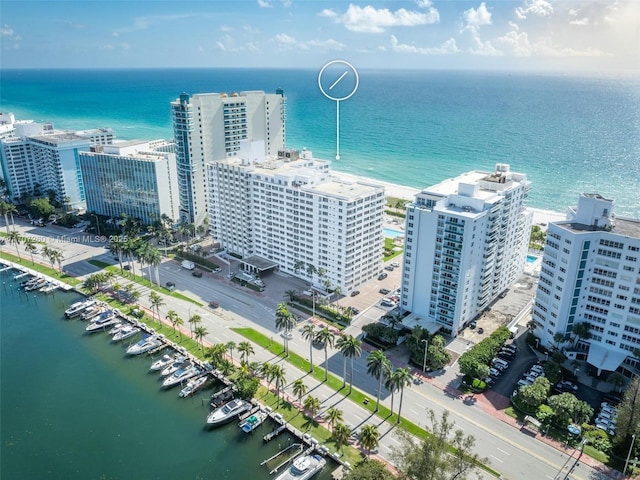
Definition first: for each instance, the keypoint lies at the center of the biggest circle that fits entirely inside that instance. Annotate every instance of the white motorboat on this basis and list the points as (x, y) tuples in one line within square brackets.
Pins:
[(90, 312), (145, 345), (49, 287), (36, 285), (303, 468), (163, 361), (252, 422), (178, 363), (102, 321), (181, 375), (193, 386), (77, 308), (228, 412), (115, 329), (125, 332)]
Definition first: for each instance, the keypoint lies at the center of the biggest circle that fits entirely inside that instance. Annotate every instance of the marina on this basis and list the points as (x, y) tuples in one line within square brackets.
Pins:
[(124, 383)]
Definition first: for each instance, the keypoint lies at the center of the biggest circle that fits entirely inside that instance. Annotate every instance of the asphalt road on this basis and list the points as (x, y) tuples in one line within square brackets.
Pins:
[(514, 454)]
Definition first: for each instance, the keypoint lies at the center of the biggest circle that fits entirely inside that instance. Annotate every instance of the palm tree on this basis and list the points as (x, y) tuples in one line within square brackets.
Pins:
[(156, 303), (299, 389), (230, 346), (266, 370), (369, 437), (58, 257), (327, 338), (200, 332), (30, 246), (116, 246), (291, 294), (333, 416), (341, 435), (193, 321), (403, 379), (312, 404), (338, 293), (154, 259), (245, 349), (379, 366), (172, 315), (15, 238), (285, 321), (309, 334), (215, 353), (581, 332), (350, 347), (393, 384), (297, 266), (279, 379), (178, 323), (311, 269)]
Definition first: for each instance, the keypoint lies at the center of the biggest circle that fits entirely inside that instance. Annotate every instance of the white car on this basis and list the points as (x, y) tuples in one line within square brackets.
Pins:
[(494, 372), (607, 405), (523, 382), (537, 368)]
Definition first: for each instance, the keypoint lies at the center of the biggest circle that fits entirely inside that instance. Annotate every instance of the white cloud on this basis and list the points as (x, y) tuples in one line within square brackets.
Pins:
[(477, 17), (424, 3), (535, 7), (6, 31), (286, 3), (445, 48), (110, 47), (513, 26), (145, 22), (371, 20), (581, 22), (226, 29), (264, 4), (327, 12), (519, 44), (287, 41)]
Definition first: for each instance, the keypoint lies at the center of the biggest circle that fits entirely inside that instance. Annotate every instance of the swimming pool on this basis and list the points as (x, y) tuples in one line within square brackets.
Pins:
[(531, 258), (391, 233)]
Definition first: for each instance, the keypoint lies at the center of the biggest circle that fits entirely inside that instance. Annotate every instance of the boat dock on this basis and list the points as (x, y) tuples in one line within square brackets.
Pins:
[(17, 276)]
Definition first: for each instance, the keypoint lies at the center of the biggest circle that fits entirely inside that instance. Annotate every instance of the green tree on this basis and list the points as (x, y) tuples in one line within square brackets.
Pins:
[(404, 380), (231, 346), (327, 338), (341, 435), (15, 238), (438, 356), (617, 380), (215, 353), (292, 295), (178, 323), (535, 394), (285, 322), (200, 332), (396, 381), (172, 315), (299, 389), (312, 405), (430, 457), (580, 331), (30, 247), (7, 209), (156, 302), (567, 408), (279, 378), (369, 438), (246, 350), (41, 208), (333, 416), (193, 320), (378, 366), (309, 334), (628, 417), (349, 346), (369, 469)]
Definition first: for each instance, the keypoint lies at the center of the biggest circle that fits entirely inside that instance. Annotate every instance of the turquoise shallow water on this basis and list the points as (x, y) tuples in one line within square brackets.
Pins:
[(74, 407), (415, 128)]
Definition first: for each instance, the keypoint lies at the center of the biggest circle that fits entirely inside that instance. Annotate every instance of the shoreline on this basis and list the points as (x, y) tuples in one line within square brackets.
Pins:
[(541, 216)]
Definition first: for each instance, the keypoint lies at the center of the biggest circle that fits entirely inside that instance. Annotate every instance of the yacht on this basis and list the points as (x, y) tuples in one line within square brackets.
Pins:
[(303, 468), (148, 343), (49, 287), (90, 312), (36, 285), (77, 308), (193, 386), (228, 412), (102, 321), (252, 422), (164, 361), (181, 375), (179, 362), (125, 332), (116, 328)]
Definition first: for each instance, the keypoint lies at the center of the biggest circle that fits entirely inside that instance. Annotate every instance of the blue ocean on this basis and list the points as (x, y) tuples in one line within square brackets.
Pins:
[(416, 128)]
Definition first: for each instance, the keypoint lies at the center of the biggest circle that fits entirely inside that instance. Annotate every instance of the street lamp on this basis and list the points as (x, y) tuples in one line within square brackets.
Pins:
[(626, 463), (424, 362), (97, 222)]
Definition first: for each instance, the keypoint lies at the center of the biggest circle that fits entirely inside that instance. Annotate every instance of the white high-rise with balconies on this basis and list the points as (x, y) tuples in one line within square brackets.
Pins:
[(210, 126), (591, 274), (289, 210), (466, 242)]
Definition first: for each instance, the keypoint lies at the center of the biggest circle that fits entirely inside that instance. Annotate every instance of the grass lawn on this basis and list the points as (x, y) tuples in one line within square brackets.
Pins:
[(63, 277)]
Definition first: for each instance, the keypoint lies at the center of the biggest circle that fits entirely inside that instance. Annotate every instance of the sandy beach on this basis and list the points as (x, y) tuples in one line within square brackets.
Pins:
[(540, 217)]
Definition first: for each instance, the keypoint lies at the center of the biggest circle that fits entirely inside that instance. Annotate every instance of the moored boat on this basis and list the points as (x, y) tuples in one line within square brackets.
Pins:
[(181, 375), (193, 386), (49, 287), (35, 285), (179, 362), (91, 311), (77, 308), (303, 468), (102, 321), (162, 362), (148, 343), (252, 422), (228, 412), (125, 332)]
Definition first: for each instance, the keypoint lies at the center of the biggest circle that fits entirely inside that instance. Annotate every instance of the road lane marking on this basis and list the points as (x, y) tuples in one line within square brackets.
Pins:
[(496, 458), (506, 453)]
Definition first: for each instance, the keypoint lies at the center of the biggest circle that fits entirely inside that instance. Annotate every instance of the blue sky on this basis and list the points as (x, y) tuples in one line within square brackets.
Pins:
[(592, 35)]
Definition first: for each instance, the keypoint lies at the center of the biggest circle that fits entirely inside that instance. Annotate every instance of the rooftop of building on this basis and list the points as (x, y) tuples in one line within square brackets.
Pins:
[(60, 136), (629, 227)]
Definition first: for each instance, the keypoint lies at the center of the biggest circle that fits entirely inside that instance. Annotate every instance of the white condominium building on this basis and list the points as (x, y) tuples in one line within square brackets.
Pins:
[(36, 158), (289, 209), (210, 126), (133, 177), (591, 274), (466, 242)]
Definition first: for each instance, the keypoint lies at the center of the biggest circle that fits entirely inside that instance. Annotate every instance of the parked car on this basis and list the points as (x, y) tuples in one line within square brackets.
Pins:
[(607, 405), (389, 268), (494, 372), (384, 291), (170, 286), (472, 324), (395, 264), (353, 310), (355, 292), (197, 273), (523, 382), (537, 368), (213, 304), (506, 355), (382, 276), (567, 386)]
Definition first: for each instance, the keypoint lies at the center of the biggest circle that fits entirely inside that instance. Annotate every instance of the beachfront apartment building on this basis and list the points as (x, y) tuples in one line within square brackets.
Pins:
[(288, 211), (35, 159), (136, 178), (591, 274), (466, 242), (209, 127)]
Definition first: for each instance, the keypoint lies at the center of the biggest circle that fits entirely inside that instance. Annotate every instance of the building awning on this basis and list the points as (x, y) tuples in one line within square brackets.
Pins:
[(412, 320), (258, 263), (604, 358)]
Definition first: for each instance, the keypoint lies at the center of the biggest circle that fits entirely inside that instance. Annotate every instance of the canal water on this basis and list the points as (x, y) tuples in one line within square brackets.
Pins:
[(73, 406)]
